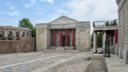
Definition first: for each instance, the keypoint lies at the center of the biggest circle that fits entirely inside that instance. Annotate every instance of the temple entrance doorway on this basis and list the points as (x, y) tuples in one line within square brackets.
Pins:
[(63, 41)]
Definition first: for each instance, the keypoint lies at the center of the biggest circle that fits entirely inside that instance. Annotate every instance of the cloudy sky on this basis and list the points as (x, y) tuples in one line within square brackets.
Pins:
[(11, 11)]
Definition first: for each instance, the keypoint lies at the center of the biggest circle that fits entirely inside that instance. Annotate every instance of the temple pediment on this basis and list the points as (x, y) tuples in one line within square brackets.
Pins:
[(63, 20)]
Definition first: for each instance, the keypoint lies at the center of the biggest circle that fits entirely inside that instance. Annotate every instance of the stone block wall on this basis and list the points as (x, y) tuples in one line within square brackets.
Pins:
[(123, 29), (82, 39), (42, 39), (15, 46)]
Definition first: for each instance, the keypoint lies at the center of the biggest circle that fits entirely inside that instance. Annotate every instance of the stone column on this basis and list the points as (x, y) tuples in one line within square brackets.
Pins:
[(116, 36), (60, 38), (116, 48), (103, 42), (6, 34), (73, 38), (66, 37), (114, 43), (114, 40), (14, 35), (52, 38), (94, 42)]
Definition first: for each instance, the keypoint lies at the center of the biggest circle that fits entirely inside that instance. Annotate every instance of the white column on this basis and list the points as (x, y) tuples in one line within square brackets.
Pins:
[(114, 41), (103, 42), (14, 35), (94, 42), (6, 34)]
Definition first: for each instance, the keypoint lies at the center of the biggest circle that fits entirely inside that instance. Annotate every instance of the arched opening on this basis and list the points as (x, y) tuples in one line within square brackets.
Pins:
[(17, 35), (1, 35), (23, 34), (10, 35)]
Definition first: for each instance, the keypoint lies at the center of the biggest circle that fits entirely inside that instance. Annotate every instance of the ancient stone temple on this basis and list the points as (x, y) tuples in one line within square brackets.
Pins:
[(63, 33)]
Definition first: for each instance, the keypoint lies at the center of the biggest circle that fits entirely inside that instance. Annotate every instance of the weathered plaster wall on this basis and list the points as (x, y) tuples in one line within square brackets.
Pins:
[(82, 38), (42, 38), (123, 29)]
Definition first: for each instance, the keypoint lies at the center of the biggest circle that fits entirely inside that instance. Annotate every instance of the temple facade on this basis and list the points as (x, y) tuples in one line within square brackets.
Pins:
[(63, 33)]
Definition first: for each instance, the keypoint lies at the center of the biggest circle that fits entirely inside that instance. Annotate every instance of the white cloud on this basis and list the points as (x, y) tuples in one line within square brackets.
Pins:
[(31, 4), (93, 9), (62, 11), (49, 1), (13, 13), (12, 10), (12, 7)]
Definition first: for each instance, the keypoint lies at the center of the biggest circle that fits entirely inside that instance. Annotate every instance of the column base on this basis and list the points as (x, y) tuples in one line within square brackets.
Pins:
[(120, 53), (69, 48)]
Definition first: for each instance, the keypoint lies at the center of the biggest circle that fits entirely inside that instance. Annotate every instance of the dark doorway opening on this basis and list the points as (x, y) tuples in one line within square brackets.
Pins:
[(63, 40)]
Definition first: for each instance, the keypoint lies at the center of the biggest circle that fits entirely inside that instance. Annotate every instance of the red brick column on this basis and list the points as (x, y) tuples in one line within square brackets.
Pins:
[(66, 37), (60, 38), (53, 37), (73, 38), (116, 36)]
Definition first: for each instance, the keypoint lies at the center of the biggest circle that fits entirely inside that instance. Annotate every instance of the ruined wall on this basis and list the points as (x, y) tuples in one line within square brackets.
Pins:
[(13, 46), (83, 39)]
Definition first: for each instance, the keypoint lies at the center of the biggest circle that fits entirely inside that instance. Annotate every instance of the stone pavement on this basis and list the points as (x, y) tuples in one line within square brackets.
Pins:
[(97, 64), (76, 63), (27, 62), (115, 64), (36, 61)]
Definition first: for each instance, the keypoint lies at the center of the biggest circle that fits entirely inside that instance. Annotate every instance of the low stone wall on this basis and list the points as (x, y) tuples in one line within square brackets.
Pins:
[(13, 46)]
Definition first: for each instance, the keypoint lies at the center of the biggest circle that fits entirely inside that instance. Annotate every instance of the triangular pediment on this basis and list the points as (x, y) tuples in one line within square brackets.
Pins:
[(63, 20)]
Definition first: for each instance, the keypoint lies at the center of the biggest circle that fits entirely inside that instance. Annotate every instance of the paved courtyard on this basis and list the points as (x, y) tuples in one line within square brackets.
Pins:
[(29, 62), (115, 64)]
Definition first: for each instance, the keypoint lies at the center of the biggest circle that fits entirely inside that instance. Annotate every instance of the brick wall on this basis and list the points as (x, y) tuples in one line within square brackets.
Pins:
[(13, 46)]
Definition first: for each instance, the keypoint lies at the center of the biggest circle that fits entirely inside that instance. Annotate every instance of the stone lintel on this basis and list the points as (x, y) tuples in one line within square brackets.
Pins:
[(64, 26), (105, 28), (42, 25)]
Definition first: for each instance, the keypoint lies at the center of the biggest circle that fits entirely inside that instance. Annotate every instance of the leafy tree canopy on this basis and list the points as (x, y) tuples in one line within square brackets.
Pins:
[(27, 24), (112, 23)]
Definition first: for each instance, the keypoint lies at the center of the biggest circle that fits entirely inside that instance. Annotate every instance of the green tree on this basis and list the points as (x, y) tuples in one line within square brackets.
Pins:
[(27, 24), (107, 23), (99, 39), (114, 23)]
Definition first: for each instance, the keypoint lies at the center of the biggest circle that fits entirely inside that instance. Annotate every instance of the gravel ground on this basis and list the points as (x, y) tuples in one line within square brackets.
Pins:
[(27, 62)]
